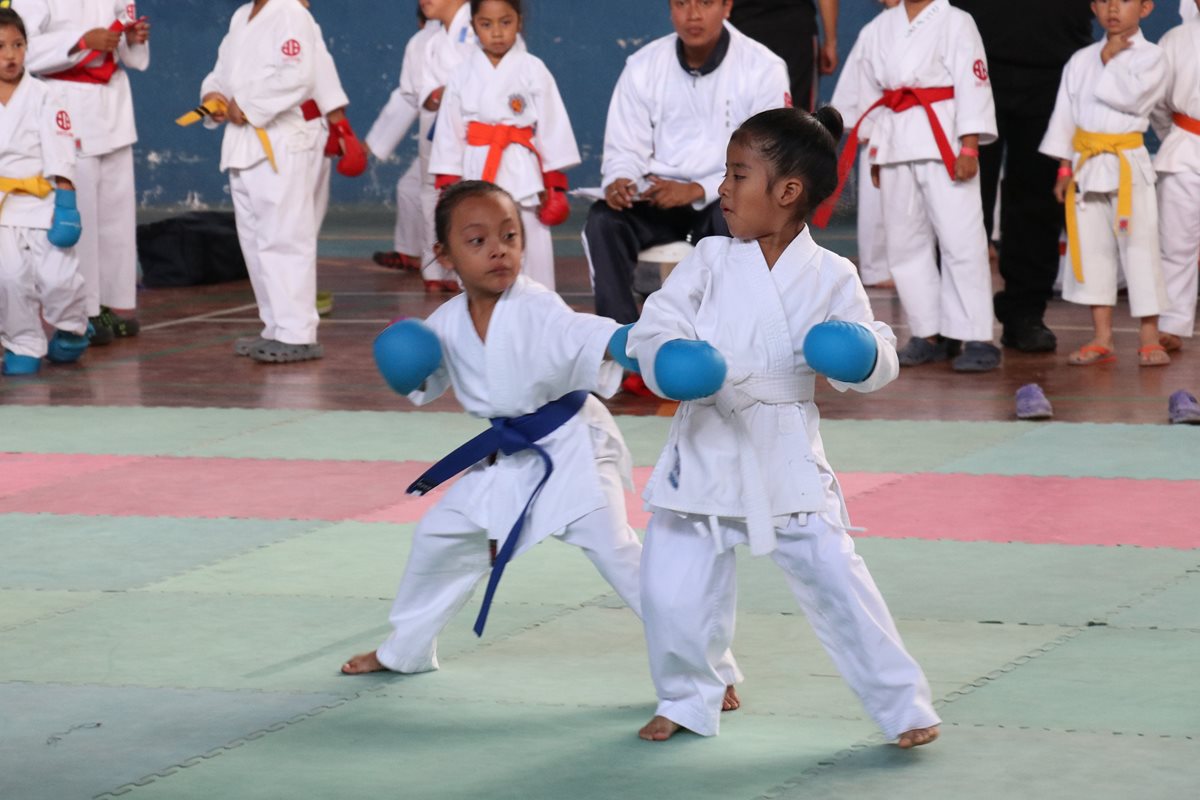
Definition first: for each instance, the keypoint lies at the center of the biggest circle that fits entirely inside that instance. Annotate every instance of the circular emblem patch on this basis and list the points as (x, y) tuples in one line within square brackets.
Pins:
[(980, 70), (63, 119), (291, 48)]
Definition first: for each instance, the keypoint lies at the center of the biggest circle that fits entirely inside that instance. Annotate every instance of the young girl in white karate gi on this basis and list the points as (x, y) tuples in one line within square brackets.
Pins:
[(1177, 122), (265, 72), (39, 222), (1107, 181), (924, 64), (85, 48), (502, 120), (746, 465)]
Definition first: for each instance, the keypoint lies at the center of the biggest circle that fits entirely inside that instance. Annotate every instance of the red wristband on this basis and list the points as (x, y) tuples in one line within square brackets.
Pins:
[(1065, 172), (969, 152)]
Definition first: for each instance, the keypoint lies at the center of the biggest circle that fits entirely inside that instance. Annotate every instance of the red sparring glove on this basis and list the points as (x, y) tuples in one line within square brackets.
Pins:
[(555, 209), (441, 182), (342, 139)]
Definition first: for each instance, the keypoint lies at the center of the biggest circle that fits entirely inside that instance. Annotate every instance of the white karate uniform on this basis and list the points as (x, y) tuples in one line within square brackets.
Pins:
[(747, 466), (922, 207), (1187, 10), (537, 350), (390, 127), (666, 122), (37, 279), (1178, 166), (329, 96), (520, 92), (268, 66), (872, 241), (1113, 98), (102, 115)]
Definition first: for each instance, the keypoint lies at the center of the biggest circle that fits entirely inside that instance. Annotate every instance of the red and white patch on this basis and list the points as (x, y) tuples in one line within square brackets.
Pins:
[(63, 120), (517, 103), (131, 12), (874, 152), (291, 48), (980, 70), (787, 100)]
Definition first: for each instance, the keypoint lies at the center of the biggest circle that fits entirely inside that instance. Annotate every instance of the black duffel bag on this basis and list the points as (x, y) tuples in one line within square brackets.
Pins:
[(191, 249)]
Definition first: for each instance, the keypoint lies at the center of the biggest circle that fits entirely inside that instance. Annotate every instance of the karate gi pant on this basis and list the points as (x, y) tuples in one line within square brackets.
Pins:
[(37, 280), (539, 248), (409, 236), (689, 600), (431, 268), (613, 239), (450, 556), (107, 248), (322, 170), (1104, 254), (872, 241), (924, 209), (275, 221), (1179, 242)]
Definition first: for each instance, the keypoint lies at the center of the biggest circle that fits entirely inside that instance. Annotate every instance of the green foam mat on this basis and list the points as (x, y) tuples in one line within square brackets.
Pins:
[(887, 446), (61, 742), (1121, 681), (42, 551), (22, 606), (1176, 606), (380, 746)]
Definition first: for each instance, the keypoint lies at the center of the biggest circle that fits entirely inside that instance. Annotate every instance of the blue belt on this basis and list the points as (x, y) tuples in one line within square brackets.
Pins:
[(507, 435)]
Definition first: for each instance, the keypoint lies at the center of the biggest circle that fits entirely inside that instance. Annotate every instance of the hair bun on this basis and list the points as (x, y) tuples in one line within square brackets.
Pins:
[(831, 120)]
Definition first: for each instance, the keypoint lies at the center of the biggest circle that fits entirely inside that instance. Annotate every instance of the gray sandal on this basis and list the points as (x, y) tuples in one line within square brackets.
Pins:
[(245, 345), (273, 352)]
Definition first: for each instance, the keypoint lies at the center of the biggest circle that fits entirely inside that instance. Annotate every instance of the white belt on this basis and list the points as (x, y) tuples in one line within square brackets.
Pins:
[(769, 388)]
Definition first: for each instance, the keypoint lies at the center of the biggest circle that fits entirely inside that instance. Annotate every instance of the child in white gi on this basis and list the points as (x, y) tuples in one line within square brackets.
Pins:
[(925, 63), (1106, 178), (265, 72), (502, 120), (39, 223), (513, 349), (1177, 123), (746, 465), (85, 47)]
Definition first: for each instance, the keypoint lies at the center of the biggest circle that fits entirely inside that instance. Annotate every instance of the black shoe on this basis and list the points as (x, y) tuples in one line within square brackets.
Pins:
[(920, 351), (977, 357), (1029, 336), (101, 334), (121, 327)]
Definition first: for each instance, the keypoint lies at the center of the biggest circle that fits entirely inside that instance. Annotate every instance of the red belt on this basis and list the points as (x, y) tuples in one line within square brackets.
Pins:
[(1186, 123), (896, 100), (496, 138), (101, 73)]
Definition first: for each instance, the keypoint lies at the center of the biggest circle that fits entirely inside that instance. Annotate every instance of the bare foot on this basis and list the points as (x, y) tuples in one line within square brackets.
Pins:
[(363, 663), (1170, 342), (659, 729), (917, 737), (731, 702)]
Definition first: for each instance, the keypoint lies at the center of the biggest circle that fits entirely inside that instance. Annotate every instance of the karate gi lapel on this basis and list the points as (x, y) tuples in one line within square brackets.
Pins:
[(13, 115)]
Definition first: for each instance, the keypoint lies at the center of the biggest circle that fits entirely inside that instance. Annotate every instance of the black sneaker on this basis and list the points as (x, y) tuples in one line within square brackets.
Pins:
[(121, 327), (1029, 336), (101, 334)]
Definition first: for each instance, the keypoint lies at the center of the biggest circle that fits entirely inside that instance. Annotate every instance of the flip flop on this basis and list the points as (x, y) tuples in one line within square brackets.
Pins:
[(1091, 354), (1154, 355)]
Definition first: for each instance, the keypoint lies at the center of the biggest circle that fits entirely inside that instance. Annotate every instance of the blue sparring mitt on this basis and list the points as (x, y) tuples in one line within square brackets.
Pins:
[(688, 370), (844, 351), (66, 228), (616, 349), (407, 353)]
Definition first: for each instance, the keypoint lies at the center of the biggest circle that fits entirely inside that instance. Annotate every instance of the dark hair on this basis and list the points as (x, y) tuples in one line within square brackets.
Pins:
[(454, 196), (11, 19), (797, 144), (516, 6)]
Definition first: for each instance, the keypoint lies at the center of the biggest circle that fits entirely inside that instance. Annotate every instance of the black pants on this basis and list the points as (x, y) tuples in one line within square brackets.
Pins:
[(613, 240), (1030, 218), (790, 32)]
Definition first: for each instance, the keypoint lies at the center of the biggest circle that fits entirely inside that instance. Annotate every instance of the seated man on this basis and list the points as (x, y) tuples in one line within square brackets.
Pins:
[(676, 104)]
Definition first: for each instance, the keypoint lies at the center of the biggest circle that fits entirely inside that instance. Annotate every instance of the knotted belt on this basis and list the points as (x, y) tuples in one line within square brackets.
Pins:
[(100, 73), (1089, 145), (37, 187), (896, 100), (732, 400), (497, 138), (507, 435)]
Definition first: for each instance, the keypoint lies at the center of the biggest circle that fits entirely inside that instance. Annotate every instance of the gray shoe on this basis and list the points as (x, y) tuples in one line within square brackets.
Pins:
[(244, 345), (978, 357), (273, 352), (920, 351)]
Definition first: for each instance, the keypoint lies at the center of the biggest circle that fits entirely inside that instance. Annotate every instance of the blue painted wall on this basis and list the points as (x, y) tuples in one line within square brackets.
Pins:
[(584, 42)]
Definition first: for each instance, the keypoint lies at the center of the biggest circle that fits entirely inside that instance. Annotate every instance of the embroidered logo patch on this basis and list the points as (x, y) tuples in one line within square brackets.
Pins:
[(291, 48), (1123, 226), (980, 70), (63, 120), (131, 11), (517, 103)]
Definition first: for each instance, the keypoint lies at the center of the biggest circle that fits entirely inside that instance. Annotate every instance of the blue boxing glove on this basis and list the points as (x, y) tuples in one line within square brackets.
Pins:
[(844, 351), (66, 228), (616, 349), (407, 353), (688, 370)]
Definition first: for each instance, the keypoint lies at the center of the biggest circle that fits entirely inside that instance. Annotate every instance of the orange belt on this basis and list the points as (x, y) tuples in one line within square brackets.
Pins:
[(1187, 123), (896, 100), (496, 138)]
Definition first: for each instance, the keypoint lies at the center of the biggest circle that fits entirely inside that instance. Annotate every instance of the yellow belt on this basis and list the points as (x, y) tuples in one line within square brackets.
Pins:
[(218, 107), (38, 187), (1089, 144)]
